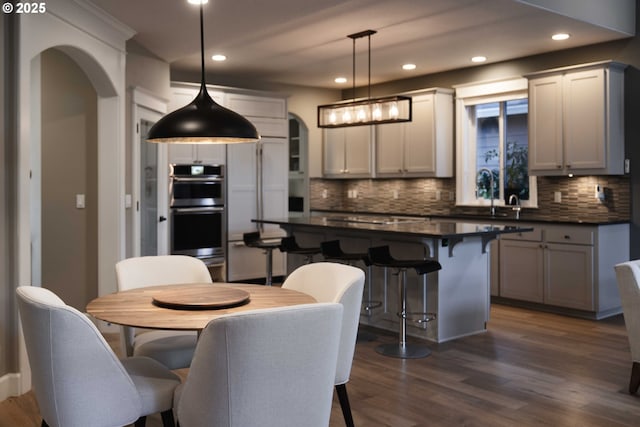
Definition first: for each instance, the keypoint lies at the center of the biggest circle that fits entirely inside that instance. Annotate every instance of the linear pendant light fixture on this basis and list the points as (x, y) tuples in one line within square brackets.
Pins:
[(203, 121), (368, 111)]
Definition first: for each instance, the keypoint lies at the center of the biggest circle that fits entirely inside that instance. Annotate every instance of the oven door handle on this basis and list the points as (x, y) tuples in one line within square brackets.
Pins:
[(205, 209), (196, 179)]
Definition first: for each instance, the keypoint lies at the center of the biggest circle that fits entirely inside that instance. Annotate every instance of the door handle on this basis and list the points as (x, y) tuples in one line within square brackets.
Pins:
[(162, 218)]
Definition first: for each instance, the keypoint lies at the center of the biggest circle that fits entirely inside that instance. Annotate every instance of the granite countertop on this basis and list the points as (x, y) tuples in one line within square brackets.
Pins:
[(416, 226), (500, 217)]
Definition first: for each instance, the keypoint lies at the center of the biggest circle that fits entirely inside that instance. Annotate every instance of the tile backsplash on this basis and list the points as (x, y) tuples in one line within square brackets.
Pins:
[(436, 196)]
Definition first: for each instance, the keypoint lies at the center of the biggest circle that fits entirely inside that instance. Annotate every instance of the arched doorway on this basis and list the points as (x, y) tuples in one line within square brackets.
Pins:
[(298, 166), (68, 164)]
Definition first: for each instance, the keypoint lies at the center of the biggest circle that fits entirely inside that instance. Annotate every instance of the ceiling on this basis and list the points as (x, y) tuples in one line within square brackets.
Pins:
[(305, 42)]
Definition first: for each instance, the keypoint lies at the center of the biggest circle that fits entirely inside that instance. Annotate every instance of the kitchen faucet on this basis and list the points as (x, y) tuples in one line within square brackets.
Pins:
[(515, 207), (487, 170)]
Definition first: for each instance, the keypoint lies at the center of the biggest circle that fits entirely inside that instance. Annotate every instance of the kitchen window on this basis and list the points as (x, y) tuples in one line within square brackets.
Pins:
[(492, 145)]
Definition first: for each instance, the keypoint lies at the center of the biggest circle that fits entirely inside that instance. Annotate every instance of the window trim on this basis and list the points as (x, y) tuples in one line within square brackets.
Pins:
[(471, 94)]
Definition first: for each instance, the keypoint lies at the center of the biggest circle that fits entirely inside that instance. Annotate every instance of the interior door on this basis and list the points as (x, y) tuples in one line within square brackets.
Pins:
[(150, 190)]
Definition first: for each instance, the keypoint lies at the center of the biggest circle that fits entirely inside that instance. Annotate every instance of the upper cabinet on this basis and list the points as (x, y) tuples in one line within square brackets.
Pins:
[(194, 153), (347, 152), (268, 114), (422, 147), (576, 120)]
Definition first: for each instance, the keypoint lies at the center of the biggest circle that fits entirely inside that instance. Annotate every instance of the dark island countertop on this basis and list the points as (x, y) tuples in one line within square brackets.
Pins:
[(439, 228), (504, 216)]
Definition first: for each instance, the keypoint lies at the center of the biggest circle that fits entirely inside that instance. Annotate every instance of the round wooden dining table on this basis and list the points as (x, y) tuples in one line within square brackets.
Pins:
[(188, 306)]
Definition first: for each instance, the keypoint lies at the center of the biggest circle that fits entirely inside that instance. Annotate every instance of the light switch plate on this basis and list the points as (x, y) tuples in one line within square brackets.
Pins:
[(80, 201)]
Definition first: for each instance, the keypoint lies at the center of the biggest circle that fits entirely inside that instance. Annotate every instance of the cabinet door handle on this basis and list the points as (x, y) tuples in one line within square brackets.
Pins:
[(567, 237), (162, 218), (559, 166)]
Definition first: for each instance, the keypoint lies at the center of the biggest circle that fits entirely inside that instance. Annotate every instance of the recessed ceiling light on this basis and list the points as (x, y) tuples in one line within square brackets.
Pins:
[(219, 57), (198, 1), (340, 80), (560, 36), (478, 59), (409, 67)]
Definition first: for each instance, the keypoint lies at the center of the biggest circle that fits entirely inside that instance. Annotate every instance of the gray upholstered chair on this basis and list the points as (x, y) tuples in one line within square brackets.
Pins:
[(267, 368), (77, 379), (628, 278), (173, 349), (333, 282)]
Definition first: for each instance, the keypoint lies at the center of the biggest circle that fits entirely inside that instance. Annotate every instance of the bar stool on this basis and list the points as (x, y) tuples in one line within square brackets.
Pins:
[(289, 245), (253, 240), (381, 256), (331, 250)]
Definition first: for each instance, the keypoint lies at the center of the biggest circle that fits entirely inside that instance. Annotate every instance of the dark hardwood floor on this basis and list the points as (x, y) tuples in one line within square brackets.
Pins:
[(529, 369)]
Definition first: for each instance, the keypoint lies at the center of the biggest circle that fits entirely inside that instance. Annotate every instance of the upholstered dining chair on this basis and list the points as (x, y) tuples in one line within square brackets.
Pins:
[(173, 349), (628, 278), (269, 368), (333, 282), (77, 379)]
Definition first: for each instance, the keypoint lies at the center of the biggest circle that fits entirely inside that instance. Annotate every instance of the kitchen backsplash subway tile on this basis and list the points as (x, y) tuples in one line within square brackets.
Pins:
[(432, 196)]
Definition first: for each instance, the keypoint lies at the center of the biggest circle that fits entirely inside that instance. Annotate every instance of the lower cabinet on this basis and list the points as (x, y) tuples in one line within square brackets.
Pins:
[(568, 280), (569, 267), (521, 270)]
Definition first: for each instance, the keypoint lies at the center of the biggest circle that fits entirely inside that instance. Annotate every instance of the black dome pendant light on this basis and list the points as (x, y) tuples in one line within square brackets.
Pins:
[(203, 121)]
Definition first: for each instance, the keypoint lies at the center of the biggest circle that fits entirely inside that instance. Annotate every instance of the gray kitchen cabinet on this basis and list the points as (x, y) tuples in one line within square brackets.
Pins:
[(570, 267), (576, 120), (422, 147), (347, 152), (522, 266), (257, 185), (197, 153), (568, 278)]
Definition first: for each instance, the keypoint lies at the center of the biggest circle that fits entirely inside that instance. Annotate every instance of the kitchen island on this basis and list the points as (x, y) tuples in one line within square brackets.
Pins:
[(458, 294)]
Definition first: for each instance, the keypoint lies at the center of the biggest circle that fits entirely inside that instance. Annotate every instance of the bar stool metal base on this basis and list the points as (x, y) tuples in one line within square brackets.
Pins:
[(404, 351)]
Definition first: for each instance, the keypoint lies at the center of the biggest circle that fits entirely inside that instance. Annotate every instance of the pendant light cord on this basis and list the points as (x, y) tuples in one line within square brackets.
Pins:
[(202, 45), (353, 80), (369, 82)]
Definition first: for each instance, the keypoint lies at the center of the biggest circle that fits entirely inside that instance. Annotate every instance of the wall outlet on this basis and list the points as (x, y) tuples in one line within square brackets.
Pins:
[(557, 197), (395, 194), (325, 193), (599, 193), (438, 195)]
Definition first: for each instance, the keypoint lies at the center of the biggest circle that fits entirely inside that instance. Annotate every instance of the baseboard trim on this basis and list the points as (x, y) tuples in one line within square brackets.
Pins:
[(9, 386)]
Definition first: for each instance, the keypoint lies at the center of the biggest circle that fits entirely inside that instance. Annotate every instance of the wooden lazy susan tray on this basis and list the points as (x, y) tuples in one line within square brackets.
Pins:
[(207, 297)]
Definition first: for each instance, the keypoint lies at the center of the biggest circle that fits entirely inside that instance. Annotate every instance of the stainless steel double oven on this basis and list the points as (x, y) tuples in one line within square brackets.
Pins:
[(198, 221)]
